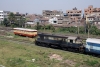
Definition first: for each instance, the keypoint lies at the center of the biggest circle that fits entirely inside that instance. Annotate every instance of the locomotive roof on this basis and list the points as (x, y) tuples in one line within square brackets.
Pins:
[(24, 29), (52, 35), (93, 40), (72, 38)]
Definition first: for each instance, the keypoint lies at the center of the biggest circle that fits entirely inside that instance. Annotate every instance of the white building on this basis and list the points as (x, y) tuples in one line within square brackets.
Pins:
[(53, 20), (3, 14)]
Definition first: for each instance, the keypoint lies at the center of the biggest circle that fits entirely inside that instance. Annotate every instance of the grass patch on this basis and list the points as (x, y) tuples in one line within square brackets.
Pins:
[(91, 62), (19, 54), (14, 62)]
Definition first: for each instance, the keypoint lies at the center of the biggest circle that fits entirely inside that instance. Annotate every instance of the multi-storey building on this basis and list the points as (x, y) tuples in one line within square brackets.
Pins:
[(93, 20), (74, 14), (91, 11), (3, 14), (50, 14)]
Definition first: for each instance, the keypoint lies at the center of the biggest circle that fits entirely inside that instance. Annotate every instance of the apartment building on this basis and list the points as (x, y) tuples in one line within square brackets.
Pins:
[(93, 20), (3, 14), (50, 14), (91, 11), (75, 15)]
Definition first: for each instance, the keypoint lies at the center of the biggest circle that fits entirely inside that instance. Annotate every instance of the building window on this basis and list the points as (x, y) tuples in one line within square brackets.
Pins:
[(2, 18), (55, 21), (79, 11), (78, 18), (1, 13)]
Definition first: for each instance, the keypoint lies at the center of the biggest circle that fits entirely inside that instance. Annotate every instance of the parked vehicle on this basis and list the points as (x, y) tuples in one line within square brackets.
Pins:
[(25, 32)]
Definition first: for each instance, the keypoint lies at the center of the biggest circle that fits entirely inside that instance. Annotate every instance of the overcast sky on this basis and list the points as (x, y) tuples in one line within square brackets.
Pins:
[(36, 6)]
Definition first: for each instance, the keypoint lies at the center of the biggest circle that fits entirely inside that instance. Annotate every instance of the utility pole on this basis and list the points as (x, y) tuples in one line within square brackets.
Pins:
[(88, 30), (78, 26), (85, 26)]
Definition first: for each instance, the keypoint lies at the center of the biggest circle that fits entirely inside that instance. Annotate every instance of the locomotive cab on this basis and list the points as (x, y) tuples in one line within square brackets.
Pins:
[(73, 43)]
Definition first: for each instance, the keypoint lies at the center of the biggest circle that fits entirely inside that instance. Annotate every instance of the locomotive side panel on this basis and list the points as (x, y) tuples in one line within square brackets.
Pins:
[(48, 40)]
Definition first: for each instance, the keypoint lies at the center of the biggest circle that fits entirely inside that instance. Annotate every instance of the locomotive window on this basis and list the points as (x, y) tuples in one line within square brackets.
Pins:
[(38, 36), (46, 37), (60, 39), (51, 38), (57, 38), (42, 37), (71, 41), (66, 40)]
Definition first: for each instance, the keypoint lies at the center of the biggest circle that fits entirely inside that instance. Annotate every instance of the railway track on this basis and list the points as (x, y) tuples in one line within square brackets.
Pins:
[(17, 40), (5, 28)]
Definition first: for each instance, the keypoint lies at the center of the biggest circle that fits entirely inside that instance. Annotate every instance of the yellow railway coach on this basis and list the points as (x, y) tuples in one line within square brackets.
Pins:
[(25, 32)]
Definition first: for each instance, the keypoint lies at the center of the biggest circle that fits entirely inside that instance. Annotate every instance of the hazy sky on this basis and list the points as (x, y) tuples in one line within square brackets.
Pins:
[(36, 6)]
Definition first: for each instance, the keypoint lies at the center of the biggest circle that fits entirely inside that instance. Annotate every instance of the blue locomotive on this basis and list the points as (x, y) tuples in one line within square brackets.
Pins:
[(69, 43)]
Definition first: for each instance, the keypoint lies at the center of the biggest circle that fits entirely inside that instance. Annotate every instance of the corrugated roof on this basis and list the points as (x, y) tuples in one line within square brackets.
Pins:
[(93, 40), (72, 38), (52, 35), (24, 29)]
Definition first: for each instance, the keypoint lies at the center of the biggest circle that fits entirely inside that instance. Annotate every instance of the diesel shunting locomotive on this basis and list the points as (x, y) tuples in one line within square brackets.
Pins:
[(90, 45)]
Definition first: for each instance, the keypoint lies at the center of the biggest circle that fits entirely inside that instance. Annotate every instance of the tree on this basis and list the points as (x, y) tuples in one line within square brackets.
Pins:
[(97, 32), (12, 18), (21, 21), (82, 30), (5, 22), (93, 30), (44, 26), (37, 25)]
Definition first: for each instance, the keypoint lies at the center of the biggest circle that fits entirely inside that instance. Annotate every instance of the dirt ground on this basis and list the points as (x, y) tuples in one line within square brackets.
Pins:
[(58, 57)]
